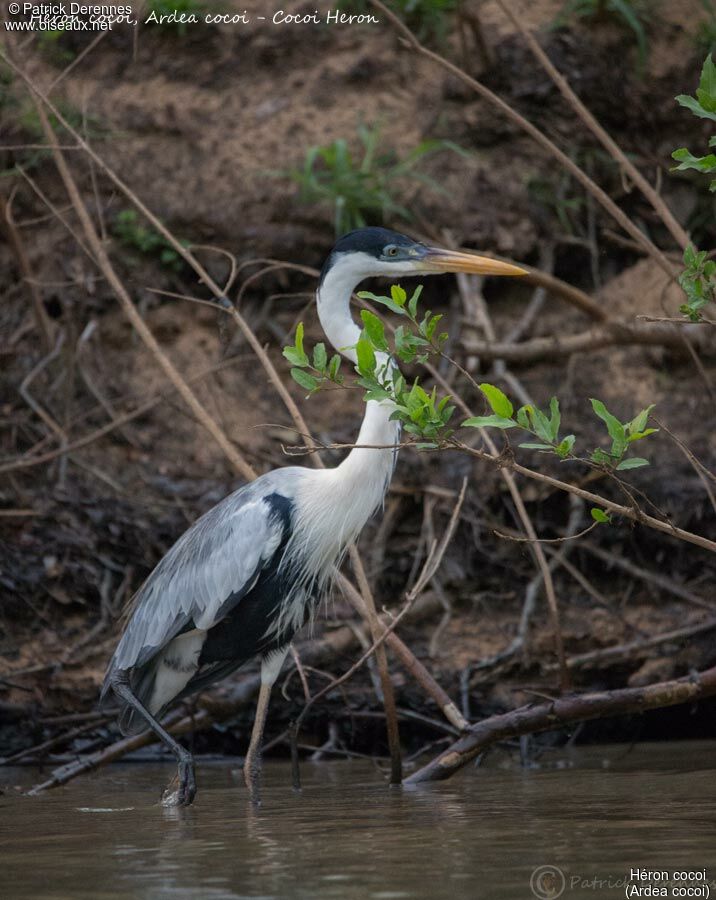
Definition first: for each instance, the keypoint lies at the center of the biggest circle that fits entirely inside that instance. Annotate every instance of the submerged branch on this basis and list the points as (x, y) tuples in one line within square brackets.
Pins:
[(560, 713)]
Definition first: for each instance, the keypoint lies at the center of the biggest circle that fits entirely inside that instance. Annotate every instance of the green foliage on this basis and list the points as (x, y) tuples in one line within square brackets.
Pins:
[(52, 44), (551, 193), (706, 31), (698, 279), (23, 115), (631, 15), (545, 426), (312, 374), (133, 233), (425, 415), (168, 7), (703, 104), (362, 190), (422, 413), (429, 20)]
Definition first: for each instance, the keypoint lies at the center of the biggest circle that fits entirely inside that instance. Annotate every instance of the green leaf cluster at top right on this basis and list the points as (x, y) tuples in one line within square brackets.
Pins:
[(698, 279)]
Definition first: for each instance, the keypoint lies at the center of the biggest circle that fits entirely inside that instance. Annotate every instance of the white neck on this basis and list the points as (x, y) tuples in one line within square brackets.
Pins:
[(365, 469), (333, 505)]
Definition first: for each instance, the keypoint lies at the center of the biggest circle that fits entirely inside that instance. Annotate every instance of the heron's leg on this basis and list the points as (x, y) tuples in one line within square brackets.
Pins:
[(270, 668), (185, 793)]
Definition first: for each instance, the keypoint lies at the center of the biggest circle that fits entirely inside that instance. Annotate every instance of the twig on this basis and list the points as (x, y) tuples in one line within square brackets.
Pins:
[(391, 716), (42, 320), (63, 738), (703, 473), (558, 288), (656, 578), (559, 540), (532, 592), (631, 513), (481, 308)]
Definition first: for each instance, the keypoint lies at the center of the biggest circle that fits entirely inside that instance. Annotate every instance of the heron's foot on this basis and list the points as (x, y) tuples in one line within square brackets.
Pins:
[(252, 777), (182, 788)]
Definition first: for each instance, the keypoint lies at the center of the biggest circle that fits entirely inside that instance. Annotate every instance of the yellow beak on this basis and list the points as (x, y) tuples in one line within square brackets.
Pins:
[(439, 260)]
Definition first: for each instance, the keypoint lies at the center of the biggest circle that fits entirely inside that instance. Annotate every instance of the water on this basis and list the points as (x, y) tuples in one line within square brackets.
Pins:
[(594, 813)]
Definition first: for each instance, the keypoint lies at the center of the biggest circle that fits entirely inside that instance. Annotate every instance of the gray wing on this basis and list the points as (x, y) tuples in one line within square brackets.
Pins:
[(204, 574)]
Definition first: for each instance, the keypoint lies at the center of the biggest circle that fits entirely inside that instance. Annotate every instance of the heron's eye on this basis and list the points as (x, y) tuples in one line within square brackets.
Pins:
[(391, 250)]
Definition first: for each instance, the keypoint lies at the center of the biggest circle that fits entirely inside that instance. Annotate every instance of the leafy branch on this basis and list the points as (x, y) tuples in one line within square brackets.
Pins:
[(546, 426), (698, 279), (421, 413)]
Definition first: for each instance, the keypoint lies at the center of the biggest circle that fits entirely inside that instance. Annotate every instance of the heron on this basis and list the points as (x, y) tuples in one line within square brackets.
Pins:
[(248, 574)]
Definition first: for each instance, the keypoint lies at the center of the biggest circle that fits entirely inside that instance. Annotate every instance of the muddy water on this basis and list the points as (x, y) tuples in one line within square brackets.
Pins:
[(595, 814)]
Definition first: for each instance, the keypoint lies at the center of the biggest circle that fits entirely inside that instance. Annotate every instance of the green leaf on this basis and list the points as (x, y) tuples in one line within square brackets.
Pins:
[(529, 446), (600, 457), (706, 91), (413, 302), (541, 424), (638, 435), (374, 329), (522, 417), (320, 357), (295, 357), (305, 379), (366, 357), (696, 108), (687, 160), (398, 295), (636, 462), (383, 301), (334, 366), (489, 422), (555, 418), (599, 515), (565, 446), (614, 427), (377, 394), (640, 420), (498, 401)]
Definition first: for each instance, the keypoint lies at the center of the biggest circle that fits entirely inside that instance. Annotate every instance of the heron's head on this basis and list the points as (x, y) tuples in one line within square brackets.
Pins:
[(369, 252)]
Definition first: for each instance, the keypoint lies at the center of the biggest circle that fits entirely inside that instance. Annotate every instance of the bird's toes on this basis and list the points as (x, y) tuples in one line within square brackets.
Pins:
[(171, 798)]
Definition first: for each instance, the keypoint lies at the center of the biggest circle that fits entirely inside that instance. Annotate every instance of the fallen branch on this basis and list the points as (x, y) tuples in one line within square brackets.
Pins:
[(560, 713), (611, 334)]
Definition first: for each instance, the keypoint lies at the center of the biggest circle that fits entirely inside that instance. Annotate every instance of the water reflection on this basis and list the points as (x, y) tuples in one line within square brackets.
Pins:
[(350, 836)]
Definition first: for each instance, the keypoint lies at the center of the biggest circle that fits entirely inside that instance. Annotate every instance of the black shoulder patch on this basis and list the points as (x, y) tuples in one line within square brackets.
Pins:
[(281, 510)]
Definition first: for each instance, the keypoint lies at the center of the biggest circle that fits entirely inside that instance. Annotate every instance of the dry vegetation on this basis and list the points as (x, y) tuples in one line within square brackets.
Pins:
[(105, 460)]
